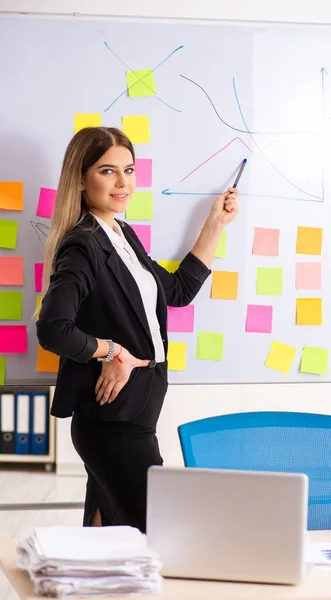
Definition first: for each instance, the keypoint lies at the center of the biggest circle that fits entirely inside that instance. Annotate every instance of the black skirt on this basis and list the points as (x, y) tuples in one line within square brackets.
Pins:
[(117, 456)]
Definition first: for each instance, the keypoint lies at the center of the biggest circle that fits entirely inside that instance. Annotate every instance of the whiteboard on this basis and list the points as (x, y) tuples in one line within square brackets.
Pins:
[(223, 93)]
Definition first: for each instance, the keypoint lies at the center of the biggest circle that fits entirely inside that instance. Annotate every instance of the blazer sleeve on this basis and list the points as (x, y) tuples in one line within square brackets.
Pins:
[(182, 286), (73, 279)]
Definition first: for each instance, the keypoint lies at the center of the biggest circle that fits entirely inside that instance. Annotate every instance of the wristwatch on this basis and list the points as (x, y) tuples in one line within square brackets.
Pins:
[(111, 352)]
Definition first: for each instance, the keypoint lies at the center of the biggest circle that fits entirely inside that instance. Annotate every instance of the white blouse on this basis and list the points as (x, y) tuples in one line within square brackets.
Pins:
[(144, 280)]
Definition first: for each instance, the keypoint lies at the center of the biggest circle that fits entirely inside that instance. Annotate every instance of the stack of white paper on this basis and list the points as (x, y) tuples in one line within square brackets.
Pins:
[(72, 561)]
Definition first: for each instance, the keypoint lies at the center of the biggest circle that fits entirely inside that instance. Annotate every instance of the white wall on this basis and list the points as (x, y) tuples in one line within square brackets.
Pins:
[(290, 11), (186, 403), (189, 402)]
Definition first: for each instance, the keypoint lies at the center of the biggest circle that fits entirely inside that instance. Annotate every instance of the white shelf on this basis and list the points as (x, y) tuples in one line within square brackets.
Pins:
[(36, 458)]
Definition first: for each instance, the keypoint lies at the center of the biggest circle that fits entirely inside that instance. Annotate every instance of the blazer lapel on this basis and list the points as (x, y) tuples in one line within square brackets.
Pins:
[(123, 277)]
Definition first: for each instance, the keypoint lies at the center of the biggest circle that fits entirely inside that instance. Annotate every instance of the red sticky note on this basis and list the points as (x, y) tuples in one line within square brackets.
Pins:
[(258, 318), (11, 270), (46, 202), (38, 276), (13, 338), (266, 241), (143, 172), (181, 319), (144, 234)]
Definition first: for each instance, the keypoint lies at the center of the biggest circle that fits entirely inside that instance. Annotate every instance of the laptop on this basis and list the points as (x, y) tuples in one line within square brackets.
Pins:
[(228, 525)]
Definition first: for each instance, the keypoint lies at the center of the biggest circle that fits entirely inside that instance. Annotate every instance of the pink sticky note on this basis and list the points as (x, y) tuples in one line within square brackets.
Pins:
[(181, 319), (266, 241), (38, 276), (13, 338), (46, 202), (144, 234), (258, 318), (143, 172), (308, 276)]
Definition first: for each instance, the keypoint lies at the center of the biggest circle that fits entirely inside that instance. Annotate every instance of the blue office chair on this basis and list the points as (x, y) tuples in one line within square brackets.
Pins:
[(267, 441)]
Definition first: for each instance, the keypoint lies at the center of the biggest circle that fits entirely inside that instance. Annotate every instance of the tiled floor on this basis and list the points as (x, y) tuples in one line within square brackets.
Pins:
[(16, 487)]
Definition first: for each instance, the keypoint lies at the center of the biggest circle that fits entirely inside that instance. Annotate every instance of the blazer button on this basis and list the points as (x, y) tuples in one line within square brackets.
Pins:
[(152, 364)]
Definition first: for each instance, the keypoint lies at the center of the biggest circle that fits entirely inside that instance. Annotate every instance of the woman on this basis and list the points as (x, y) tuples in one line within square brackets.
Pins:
[(104, 312)]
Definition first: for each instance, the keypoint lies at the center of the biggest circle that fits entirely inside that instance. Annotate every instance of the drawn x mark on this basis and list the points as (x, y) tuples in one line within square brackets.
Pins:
[(142, 78)]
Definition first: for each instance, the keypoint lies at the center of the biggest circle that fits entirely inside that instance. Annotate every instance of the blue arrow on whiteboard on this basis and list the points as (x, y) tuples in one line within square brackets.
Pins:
[(168, 192)]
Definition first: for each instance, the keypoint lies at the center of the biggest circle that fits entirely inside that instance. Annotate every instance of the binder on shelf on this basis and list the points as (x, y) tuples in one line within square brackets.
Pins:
[(7, 423), (22, 423), (39, 423)]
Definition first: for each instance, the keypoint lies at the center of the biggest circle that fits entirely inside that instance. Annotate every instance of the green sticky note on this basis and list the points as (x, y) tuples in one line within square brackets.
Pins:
[(140, 83), (314, 360), (210, 346), (8, 233), (140, 207), (2, 370), (269, 281), (11, 306), (221, 246)]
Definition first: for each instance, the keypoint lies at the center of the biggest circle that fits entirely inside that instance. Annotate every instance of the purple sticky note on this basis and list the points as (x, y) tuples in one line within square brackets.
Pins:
[(46, 202), (143, 172), (258, 318), (181, 319), (144, 234), (13, 338), (38, 276)]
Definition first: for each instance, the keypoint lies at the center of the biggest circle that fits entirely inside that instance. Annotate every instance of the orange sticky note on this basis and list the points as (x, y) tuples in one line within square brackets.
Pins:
[(309, 240), (47, 362), (224, 285), (11, 195), (309, 311), (11, 270)]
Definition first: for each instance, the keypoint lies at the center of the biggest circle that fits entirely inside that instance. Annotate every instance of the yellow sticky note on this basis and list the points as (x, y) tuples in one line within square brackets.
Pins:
[(170, 265), (82, 120), (11, 195), (309, 311), (314, 360), (210, 346), (221, 246), (224, 285), (177, 356), (47, 362), (137, 129), (309, 240), (140, 207), (141, 83), (38, 305), (280, 357)]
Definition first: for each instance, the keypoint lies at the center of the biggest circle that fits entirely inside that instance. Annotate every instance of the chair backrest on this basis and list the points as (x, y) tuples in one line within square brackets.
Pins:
[(267, 441)]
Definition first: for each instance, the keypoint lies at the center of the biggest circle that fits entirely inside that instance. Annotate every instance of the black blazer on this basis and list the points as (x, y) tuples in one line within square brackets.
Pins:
[(92, 294)]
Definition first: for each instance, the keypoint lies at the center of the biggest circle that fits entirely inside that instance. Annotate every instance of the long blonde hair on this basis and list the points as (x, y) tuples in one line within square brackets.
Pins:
[(84, 149)]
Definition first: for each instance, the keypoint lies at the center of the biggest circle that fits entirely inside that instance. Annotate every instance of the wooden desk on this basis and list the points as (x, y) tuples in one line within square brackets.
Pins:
[(315, 587)]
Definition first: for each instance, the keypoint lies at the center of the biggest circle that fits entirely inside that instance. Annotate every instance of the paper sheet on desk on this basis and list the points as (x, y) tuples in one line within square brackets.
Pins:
[(319, 553), (71, 561)]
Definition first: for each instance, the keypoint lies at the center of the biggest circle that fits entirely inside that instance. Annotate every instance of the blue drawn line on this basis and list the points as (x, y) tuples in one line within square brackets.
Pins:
[(236, 128), (323, 73), (142, 78), (168, 192), (262, 153)]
